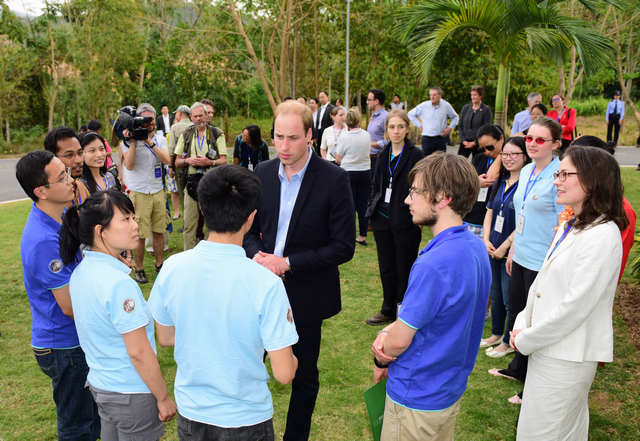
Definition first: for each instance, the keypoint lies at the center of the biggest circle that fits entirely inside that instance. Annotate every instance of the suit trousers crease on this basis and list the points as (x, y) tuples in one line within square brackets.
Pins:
[(397, 251)]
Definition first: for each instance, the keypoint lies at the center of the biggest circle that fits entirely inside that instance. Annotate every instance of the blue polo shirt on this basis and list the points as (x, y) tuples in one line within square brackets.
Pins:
[(43, 270), (106, 304), (446, 303), (540, 215), (227, 310)]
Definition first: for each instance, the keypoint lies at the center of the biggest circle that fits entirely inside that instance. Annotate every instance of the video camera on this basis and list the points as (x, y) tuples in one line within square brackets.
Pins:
[(130, 120)]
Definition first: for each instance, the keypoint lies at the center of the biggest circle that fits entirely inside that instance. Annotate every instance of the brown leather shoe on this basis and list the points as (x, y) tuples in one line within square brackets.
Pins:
[(379, 319)]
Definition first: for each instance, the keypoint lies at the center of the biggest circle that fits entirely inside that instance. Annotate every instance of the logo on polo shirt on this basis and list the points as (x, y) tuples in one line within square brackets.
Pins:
[(289, 316), (129, 305), (55, 266)]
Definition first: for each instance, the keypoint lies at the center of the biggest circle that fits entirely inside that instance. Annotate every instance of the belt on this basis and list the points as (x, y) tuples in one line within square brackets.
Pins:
[(373, 156), (437, 136)]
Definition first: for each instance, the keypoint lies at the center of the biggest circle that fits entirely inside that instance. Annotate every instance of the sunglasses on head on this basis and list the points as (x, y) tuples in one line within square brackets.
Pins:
[(539, 141)]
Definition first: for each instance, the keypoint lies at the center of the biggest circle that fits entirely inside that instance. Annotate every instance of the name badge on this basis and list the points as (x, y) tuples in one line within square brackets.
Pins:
[(520, 224), (499, 223), (251, 166), (387, 196), (158, 171), (482, 196)]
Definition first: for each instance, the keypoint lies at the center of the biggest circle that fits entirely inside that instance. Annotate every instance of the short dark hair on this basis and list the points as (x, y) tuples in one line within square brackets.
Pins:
[(58, 134), (445, 175), (207, 102), (315, 100), (542, 108), (491, 130), (396, 95), (31, 173), (287, 98), (164, 105), (83, 128), (228, 195), (478, 89), (94, 125), (599, 175), (323, 91), (79, 221), (378, 94), (594, 141)]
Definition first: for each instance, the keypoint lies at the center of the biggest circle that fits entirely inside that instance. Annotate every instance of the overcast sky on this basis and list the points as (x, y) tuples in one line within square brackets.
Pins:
[(22, 5)]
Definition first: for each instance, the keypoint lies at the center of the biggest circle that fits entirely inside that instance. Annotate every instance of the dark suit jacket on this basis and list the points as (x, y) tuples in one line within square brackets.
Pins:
[(160, 123), (321, 235), (325, 122), (399, 214)]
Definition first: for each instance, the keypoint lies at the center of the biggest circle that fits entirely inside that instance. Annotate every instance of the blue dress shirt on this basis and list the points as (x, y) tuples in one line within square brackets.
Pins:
[(611, 107), (434, 119)]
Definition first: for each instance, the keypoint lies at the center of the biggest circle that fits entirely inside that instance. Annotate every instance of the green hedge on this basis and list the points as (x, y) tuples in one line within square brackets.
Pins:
[(590, 107)]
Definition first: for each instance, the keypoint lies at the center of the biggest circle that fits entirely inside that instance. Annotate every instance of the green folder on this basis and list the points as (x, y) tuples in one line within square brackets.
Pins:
[(374, 398)]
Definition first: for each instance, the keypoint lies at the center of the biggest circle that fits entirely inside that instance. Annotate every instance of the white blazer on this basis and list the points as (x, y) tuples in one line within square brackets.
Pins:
[(569, 307)]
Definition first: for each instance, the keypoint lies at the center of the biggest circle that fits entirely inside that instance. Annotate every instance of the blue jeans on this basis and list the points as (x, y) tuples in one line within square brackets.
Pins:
[(77, 412), (189, 430), (500, 294)]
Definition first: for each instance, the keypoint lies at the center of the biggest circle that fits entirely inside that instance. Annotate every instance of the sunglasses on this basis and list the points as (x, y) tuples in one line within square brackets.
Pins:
[(489, 148), (539, 141)]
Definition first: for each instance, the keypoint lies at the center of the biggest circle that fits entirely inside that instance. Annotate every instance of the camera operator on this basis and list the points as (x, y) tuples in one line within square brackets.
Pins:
[(144, 160), (199, 148)]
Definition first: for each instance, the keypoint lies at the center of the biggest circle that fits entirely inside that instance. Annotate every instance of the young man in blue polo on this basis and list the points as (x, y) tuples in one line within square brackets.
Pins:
[(54, 339), (429, 352)]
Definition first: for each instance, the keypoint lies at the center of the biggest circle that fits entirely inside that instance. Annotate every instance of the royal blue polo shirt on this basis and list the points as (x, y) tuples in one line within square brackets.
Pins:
[(43, 270)]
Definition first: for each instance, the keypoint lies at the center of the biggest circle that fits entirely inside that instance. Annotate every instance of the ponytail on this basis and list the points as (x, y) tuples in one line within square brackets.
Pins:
[(69, 240)]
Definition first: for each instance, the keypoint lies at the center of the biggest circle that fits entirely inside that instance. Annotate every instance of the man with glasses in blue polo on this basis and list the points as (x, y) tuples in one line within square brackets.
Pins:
[(54, 339)]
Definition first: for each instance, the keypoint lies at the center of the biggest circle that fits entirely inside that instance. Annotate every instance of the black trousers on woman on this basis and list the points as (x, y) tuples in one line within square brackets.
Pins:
[(397, 250), (521, 281), (360, 188)]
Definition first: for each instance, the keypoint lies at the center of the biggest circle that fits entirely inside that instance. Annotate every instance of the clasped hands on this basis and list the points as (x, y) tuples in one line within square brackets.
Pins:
[(378, 351), (277, 265)]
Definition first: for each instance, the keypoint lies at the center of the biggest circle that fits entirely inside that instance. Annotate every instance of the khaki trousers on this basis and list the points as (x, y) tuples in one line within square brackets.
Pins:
[(191, 215), (402, 424)]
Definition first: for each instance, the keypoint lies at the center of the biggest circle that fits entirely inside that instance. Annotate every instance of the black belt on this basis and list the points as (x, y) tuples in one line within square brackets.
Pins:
[(437, 136)]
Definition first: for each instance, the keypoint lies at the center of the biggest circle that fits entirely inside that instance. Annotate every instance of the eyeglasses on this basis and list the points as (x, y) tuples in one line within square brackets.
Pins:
[(71, 155), (562, 176), (539, 141), (489, 148), (67, 173), (510, 155), (556, 99), (371, 99), (413, 191)]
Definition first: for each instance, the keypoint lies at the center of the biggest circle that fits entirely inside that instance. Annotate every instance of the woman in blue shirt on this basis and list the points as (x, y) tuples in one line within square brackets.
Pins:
[(499, 229), (114, 324), (94, 172), (249, 148)]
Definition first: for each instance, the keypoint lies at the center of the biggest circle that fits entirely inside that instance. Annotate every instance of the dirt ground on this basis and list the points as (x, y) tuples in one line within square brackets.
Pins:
[(629, 308)]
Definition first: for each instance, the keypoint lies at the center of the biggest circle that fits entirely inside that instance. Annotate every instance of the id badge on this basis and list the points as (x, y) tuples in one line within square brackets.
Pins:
[(520, 224), (158, 170), (482, 196), (387, 196), (251, 166), (499, 224)]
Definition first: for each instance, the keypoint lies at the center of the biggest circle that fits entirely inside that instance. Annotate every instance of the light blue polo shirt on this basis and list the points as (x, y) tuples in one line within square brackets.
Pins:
[(106, 304), (226, 309), (540, 214), (43, 270)]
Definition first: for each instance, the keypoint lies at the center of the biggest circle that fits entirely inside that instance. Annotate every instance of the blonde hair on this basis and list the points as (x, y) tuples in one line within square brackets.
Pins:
[(295, 108), (353, 118), (400, 114)]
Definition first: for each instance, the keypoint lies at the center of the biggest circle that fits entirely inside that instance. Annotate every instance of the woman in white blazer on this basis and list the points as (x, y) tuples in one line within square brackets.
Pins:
[(566, 327)]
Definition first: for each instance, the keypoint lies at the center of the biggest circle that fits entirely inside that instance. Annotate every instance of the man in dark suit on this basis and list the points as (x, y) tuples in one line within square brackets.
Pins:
[(323, 118), (307, 222), (164, 121)]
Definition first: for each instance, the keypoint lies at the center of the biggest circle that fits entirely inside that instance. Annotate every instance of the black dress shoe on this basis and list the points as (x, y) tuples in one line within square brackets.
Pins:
[(379, 319), (362, 242)]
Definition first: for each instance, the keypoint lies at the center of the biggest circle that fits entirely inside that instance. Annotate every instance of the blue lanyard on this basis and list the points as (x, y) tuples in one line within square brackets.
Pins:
[(528, 189), (566, 230), (336, 137), (507, 194), (200, 144), (442, 236), (391, 173), (150, 149), (249, 153), (489, 162), (105, 184)]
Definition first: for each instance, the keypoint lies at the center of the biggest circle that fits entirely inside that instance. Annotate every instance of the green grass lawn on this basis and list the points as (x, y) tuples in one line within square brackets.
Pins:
[(27, 411)]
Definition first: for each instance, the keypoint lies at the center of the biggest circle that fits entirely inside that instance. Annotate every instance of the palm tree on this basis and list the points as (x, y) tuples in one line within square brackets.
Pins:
[(512, 28)]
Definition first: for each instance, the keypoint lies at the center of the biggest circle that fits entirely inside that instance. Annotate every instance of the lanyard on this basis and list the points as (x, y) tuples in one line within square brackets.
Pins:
[(507, 194), (391, 173), (560, 114), (566, 230), (528, 189), (105, 184), (249, 152), (489, 162), (150, 149), (200, 144), (442, 236), (334, 133)]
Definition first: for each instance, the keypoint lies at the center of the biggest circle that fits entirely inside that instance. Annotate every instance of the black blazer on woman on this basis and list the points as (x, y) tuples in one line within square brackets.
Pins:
[(399, 214), (471, 121)]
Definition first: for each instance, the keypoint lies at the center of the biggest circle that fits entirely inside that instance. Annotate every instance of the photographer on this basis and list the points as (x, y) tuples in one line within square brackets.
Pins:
[(143, 160), (198, 148)]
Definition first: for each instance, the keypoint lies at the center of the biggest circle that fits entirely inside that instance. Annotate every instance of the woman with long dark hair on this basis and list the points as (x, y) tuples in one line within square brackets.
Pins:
[(567, 327), (94, 172), (114, 323), (499, 230), (250, 149)]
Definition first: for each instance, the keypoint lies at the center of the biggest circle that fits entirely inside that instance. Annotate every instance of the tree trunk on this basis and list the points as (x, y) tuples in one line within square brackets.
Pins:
[(500, 117), (284, 46), (626, 91), (561, 81), (8, 132), (315, 44), (253, 55)]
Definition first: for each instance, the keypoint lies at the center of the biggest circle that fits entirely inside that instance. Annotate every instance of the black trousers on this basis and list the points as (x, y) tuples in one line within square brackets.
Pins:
[(614, 125), (305, 384), (521, 280), (360, 187), (432, 144), (466, 152), (397, 250)]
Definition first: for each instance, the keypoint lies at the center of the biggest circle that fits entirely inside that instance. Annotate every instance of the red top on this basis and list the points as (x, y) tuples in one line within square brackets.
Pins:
[(627, 234), (567, 121)]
